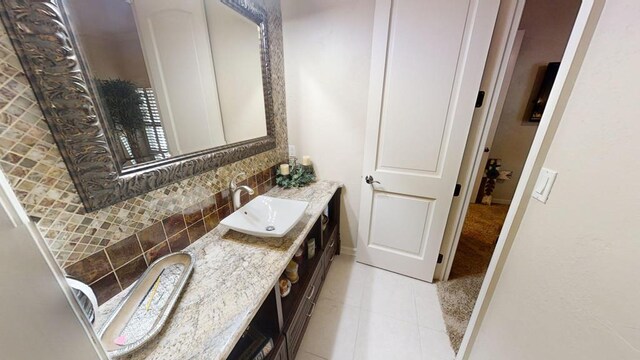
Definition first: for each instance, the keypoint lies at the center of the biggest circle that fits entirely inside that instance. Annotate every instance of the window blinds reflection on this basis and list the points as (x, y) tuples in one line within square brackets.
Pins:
[(153, 126), (155, 136)]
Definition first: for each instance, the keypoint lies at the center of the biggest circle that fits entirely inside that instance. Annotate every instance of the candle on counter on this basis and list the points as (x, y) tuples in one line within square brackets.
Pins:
[(306, 160), (284, 169)]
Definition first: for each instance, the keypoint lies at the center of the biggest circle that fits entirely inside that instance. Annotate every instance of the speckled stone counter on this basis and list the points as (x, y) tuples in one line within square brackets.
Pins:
[(233, 274)]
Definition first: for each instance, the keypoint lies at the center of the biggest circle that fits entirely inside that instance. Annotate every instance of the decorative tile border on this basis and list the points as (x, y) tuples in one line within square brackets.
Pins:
[(31, 161), (115, 267)]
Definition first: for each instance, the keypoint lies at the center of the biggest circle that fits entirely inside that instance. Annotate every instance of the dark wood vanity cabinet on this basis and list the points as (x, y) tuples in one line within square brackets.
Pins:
[(285, 320), (331, 250), (295, 330)]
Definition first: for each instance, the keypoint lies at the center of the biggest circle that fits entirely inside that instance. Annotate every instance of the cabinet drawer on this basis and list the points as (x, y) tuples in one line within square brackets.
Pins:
[(296, 329), (316, 283), (330, 251)]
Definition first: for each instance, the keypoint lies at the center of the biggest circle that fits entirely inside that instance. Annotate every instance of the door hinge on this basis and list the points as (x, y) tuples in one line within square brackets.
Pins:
[(440, 256), (480, 99), (456, 192)]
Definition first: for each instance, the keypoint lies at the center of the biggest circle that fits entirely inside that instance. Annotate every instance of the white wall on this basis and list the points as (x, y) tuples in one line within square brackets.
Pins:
[(327, 49), (570, 287), (547, 25)]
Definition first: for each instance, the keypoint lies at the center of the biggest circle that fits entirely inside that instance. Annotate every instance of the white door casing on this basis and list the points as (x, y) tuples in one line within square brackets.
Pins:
[(426, 66), (502, 97), (176, 47), (501, 57)]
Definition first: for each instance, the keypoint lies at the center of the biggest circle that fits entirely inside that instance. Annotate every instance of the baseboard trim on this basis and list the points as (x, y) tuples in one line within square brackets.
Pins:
[(345, 250)]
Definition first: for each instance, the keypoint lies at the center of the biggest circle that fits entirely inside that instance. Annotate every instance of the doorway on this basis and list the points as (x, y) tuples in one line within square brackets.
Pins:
[(544, 31), (419, 111)]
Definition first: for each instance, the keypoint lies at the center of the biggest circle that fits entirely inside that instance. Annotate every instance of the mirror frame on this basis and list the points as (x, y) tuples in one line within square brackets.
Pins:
[(42, 36)]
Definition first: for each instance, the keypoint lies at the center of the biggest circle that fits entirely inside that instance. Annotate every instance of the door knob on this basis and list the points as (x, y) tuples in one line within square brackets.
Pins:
[(370, 181)]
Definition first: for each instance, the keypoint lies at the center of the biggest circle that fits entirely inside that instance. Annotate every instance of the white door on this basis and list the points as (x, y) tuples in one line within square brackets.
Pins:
[(176, 47), (236, 56), (428, 57)]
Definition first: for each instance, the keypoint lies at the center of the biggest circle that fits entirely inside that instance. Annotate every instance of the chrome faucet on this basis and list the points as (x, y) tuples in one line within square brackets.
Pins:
[(236, 190)]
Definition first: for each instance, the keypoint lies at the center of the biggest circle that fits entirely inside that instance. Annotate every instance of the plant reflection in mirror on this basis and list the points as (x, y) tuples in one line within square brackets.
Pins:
[(126, 114)]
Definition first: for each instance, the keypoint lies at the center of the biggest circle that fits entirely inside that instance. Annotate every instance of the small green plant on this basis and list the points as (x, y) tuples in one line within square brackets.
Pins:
[(299, 176), (123, 104)]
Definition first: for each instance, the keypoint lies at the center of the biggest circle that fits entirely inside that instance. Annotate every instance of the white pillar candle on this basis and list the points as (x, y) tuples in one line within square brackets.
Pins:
[(284, 169), (306, 160)]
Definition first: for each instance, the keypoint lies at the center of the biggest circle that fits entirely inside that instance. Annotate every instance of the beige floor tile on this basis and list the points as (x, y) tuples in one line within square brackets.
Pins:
[(331, 332), (428, 307), (390, 294), (425, 289), (383, 337), (435, 345), (345, 281), (368, 313), (303, 355)]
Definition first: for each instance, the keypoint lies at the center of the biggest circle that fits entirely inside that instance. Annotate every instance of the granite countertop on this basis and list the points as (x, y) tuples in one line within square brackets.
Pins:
[(232, 276)]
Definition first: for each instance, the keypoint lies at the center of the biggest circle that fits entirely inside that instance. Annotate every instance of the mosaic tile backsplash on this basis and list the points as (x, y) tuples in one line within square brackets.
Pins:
[(118, 265), (31, 161)]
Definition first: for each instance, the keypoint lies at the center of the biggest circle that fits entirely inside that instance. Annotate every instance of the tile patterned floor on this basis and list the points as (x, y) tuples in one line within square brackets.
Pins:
[(368, 313)]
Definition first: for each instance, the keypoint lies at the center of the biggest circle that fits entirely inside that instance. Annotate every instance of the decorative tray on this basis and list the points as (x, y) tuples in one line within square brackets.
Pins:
[(143, 312)]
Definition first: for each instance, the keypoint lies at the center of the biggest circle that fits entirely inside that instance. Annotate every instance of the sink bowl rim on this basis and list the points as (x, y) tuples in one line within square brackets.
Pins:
[(228, 221)]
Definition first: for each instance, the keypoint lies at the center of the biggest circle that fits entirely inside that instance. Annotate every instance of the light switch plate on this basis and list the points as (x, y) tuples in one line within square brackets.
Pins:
[(544, 184)]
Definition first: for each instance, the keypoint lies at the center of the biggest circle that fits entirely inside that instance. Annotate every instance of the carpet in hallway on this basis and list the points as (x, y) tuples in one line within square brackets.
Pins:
[(458, 295)]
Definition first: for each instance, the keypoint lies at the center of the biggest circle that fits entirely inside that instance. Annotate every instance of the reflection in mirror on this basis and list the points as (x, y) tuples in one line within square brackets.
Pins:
[(173, 77)]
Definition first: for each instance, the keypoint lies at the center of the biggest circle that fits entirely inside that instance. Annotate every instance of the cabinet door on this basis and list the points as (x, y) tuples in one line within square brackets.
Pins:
[(330, 251), (280, 350)]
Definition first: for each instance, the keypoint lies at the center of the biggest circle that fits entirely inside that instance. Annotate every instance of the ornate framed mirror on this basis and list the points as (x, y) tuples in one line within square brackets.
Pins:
[(137, 100)]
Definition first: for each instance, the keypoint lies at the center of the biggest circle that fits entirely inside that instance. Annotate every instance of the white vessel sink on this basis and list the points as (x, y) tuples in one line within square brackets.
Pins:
[(266, 216)]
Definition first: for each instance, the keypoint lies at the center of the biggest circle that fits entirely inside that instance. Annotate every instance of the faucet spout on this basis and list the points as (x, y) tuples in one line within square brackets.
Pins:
[(236, 190)]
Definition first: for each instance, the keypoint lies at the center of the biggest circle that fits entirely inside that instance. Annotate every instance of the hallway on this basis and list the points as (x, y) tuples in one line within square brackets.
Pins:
[(458, 295)]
